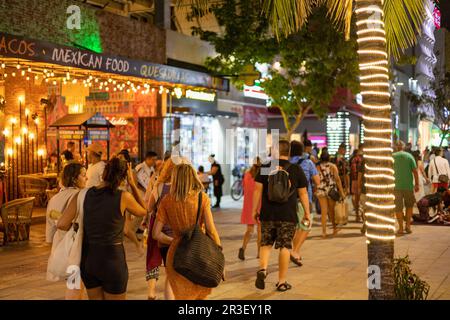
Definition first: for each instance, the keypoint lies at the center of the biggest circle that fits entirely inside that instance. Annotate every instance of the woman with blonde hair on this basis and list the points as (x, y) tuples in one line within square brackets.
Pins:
[(179, 210)]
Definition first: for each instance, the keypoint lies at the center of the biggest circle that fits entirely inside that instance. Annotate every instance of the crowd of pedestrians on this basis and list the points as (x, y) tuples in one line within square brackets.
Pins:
[(156, 203)]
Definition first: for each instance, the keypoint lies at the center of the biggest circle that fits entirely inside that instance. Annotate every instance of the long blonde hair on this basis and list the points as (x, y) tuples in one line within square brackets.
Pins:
[(184, 181)]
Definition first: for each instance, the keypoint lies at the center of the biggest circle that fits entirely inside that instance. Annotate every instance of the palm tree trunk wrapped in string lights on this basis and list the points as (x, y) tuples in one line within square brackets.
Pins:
[(379, 173)]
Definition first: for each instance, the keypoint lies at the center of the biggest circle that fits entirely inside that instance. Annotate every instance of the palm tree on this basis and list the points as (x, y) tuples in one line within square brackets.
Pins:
[(384, 28)]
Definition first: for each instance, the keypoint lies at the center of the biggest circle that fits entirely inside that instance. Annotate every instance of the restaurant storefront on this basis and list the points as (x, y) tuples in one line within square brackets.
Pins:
[(41, 82)]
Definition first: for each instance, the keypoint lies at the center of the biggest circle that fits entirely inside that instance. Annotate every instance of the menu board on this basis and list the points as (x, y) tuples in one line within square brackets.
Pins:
[(98, 135), (71, 134)]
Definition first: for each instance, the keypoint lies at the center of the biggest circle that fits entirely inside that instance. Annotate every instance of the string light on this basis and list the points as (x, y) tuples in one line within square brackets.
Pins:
[(379, 217), (374, 107), (381, 196), (380, 226), (378, 139), (377, 176), (386, 158), (370, 31), (380, 186), (380, 169), (370, 9), (374, 68), (374, 76), (370, 21), (378, 150), (373, 52), (378, 131), (377, 119), (374, 63)]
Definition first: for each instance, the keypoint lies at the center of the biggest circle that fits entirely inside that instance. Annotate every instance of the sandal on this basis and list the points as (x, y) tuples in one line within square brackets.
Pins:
[(297, 261), (283, 287), (260, 277)]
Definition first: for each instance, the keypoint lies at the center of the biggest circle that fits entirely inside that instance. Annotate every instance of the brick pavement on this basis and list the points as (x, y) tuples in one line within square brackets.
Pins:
[(334, 268)]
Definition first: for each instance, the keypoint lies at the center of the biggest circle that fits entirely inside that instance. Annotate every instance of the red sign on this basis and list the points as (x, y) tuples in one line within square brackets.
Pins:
[(255, 117)]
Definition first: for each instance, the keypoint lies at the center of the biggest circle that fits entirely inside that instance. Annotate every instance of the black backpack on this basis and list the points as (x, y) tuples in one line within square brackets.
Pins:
[(280, 185)]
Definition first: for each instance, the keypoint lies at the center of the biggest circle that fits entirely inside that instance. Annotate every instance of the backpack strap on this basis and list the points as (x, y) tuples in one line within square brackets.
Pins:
[(199, 206)]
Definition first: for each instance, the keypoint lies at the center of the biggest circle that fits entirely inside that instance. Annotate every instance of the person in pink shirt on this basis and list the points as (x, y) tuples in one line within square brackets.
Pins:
[(246, 217)]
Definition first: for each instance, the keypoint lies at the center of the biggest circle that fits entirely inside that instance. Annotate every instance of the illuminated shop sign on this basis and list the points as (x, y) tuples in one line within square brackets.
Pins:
[(41, 51), (338, 131), (198, 95), (117, 121), (255, 92)]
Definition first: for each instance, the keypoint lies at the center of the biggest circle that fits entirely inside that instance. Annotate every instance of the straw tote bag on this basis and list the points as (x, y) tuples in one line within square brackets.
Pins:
[(197, 257), (340, 213), (66, 249)]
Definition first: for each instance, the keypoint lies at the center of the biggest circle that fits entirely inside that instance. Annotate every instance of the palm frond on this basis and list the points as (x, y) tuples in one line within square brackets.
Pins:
[(340, 12), (403, 20), (287, 16)]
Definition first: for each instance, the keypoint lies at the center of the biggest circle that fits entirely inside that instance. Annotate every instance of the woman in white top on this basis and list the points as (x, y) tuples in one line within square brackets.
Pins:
[(438, 167), (73, 179)]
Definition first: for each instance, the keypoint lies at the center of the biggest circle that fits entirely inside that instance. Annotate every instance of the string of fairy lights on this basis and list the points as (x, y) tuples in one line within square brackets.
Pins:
[(53, 75), (374, 78)]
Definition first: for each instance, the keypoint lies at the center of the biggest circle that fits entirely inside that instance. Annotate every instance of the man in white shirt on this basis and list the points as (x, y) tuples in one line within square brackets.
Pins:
[(146, 169), (96, 167), (439, 167)]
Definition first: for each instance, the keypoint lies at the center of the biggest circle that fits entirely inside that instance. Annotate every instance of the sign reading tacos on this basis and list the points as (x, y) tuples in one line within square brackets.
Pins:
[(21, 48)]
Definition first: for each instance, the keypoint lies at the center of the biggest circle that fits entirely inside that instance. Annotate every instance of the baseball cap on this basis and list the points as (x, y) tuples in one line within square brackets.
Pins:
[(95, 148)]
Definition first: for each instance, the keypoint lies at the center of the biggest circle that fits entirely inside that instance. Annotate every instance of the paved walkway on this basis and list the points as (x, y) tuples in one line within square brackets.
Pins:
[(333, 268)]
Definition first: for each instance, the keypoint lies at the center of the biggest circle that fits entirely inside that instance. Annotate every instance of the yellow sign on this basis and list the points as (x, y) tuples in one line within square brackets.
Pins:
[(197, 95)]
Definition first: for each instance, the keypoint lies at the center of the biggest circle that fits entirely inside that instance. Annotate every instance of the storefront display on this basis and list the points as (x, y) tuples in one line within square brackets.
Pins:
[(338, 131)]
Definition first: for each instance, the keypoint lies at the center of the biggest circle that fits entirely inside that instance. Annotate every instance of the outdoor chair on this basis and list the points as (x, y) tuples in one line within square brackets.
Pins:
[(30, 186), (16, 219)]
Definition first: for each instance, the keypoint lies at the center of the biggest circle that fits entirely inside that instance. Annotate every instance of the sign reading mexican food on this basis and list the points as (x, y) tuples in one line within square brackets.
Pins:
[(36, 50)]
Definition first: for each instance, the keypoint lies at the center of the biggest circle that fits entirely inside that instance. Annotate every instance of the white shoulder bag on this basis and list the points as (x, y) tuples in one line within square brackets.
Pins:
[(67, 245)]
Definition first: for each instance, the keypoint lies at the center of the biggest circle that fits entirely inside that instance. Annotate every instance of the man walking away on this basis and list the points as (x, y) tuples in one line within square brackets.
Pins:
[(405, 169), (218, 179), (279, 193)]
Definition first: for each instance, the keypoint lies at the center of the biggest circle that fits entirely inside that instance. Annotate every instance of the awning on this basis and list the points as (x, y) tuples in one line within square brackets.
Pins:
[(89, 120)]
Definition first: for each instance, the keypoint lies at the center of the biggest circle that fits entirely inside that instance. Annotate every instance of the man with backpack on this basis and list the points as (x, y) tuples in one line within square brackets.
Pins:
[(279, 193)]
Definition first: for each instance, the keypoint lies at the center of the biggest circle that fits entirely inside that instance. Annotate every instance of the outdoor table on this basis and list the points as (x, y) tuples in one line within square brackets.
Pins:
[(50, 177)]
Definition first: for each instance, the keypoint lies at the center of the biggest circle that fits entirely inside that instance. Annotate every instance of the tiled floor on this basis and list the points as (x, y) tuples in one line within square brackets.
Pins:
[(334, 268)]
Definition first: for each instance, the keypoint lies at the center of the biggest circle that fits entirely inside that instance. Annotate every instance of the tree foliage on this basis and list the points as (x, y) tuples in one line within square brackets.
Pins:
[(304, 70)]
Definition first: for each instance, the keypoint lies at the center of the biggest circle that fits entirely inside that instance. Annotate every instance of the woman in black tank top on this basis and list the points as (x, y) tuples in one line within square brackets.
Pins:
[(103, 265)]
